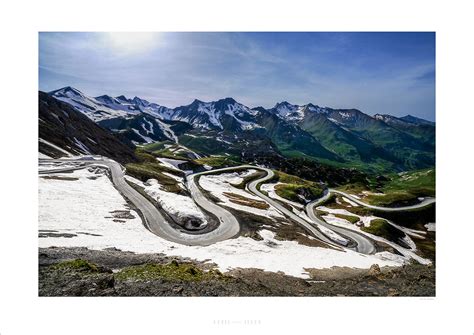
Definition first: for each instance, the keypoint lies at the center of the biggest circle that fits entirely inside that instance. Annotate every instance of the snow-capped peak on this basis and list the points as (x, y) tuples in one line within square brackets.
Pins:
[(288, 111), (140, 102), (122, 98), (107, 99), (97, 109), (67, 92)]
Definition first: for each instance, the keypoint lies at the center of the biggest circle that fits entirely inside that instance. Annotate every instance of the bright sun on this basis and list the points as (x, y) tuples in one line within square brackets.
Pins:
[(132, 42)]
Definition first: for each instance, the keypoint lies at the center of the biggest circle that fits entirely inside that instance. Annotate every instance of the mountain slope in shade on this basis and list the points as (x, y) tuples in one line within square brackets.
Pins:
[(423, 130), (345, 143), (66, 128), (93, 108), (290, 139), (224, 114), (412, 152), (145, 128)]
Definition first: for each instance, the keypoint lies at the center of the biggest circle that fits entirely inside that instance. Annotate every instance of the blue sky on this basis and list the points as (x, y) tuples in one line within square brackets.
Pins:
[(389, 73)]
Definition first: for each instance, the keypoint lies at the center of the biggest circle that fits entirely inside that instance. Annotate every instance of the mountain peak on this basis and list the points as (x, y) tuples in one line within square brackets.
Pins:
[(140, 101), (416, 120), (196, 102), (283, 104), (122, 98), (67, 89), (227, 100)]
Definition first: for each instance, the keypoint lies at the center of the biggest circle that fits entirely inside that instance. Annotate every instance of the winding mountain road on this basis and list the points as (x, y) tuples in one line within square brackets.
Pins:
[(229, 226), (154, 220), (364, 244), (424, 203), (252, 187), (202, 201)]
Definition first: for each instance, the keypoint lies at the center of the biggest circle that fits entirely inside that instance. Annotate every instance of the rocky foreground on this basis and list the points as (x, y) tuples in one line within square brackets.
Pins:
[(111, 272)]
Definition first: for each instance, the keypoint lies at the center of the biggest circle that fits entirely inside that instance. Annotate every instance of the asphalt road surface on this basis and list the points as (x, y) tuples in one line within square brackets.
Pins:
[(364, 244), (424, 203)]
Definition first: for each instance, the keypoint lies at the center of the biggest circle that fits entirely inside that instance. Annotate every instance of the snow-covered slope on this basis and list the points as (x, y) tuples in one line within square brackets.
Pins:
[(106, 107), (224, 113), (290, 112), (94, 108)]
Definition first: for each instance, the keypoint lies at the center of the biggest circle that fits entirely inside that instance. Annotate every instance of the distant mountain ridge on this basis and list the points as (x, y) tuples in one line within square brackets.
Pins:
[(346, 137)]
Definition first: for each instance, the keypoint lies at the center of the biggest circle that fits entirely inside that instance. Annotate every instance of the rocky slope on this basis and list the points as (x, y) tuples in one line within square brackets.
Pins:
[(63, 126), (83, 272)]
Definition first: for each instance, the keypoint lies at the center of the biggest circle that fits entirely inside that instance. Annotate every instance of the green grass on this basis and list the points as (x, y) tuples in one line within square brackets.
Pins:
[(149, 168), (353, 188), (218, 161), (350, 218), (420, 182), (156, 146), (292, 186), (77, 265), (144, 157), (171, 151), (405, 187), (382, 228), (145, 171), (170, 271)]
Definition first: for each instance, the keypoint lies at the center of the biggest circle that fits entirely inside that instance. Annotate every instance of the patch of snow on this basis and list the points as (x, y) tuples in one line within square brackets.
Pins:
[(350, 202), (372, 193), (82, 146), (166, 128), (178, 179), (170, 163), (431, 226), (56, 147), (178, 205), (146, 138), (150, 125), (90, 139)]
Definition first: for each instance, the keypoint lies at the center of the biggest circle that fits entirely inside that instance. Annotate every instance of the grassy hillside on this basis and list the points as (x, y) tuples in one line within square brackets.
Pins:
[(296, 189), (402, 188)]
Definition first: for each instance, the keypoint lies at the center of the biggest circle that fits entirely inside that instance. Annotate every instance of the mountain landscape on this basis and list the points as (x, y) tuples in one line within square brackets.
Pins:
[(338, 137), (245, 188)]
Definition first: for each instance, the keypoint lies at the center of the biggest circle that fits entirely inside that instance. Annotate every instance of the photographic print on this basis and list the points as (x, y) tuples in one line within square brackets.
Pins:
[(236, 164)]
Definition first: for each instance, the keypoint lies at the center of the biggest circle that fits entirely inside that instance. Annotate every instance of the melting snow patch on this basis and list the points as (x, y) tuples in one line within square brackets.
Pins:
[(180, 206), (170, 163), (430, 226), (350, 202)]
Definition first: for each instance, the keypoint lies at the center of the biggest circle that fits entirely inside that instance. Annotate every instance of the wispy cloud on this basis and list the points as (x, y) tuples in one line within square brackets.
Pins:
[(389, 73)]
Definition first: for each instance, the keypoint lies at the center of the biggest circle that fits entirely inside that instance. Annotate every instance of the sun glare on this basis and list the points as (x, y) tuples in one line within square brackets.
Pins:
[(132, 42)]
